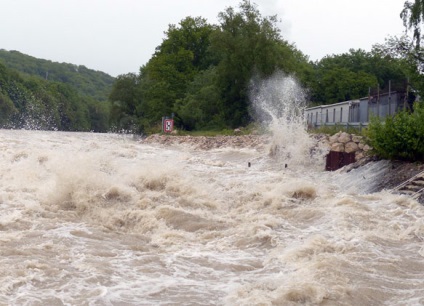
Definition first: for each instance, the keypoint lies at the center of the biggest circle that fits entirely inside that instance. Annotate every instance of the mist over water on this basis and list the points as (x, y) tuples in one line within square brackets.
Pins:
[(103, 219)]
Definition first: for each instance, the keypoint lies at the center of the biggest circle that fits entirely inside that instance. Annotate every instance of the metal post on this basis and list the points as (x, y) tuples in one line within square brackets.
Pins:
[(378, 100), (368, 105), (163, 119), (390, 97), (405, 101)]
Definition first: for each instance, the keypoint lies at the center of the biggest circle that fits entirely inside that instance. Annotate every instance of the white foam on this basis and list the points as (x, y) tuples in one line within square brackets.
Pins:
[(103, 219)]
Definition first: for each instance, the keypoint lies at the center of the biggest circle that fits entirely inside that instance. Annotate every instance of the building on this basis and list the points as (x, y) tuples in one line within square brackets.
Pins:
[(357, 112)]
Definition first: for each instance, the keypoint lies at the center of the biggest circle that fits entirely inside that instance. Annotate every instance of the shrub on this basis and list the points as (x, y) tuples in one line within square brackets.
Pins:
[(398, 137)]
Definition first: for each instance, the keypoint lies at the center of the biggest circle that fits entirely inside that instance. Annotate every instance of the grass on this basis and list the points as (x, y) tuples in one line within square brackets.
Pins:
[(250, 129), (333, 129), (255, 128)]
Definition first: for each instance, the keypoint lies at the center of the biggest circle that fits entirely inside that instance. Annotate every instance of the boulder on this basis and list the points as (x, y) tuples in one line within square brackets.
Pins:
[(334, 138), (344, 137), (359, 155), (337, 147), (351, 147), (356, 138)]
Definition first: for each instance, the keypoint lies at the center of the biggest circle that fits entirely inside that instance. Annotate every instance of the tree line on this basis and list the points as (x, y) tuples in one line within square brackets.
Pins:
[(202, 73), (87, 82), (28, 101), (402, 136)]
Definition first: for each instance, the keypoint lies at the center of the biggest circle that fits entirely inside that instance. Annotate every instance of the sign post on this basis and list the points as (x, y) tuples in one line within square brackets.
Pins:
[(168, 125)]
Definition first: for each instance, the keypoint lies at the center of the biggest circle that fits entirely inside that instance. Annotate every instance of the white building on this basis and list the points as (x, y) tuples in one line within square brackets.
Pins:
[(332, 113), (356, 112)]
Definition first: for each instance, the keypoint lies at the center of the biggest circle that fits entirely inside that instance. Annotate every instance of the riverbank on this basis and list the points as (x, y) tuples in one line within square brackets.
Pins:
[(211, 142), (393, 174)]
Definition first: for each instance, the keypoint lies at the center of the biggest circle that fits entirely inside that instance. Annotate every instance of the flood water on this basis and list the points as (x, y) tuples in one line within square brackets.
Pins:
[(104, 219)]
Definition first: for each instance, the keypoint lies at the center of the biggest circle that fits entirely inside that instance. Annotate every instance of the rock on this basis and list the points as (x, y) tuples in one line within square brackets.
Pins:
[(359, 155), (367, 148), (356, 138), (334, 138), (361, 145), (351, 147), (337, 147), (344, 137)]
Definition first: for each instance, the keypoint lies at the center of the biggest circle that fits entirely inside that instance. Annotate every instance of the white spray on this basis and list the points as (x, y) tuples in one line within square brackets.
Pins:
[(279, 103)]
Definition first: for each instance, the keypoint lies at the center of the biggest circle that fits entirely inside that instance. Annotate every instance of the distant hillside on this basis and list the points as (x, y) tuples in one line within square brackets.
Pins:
[(87, 82), (31, 102)]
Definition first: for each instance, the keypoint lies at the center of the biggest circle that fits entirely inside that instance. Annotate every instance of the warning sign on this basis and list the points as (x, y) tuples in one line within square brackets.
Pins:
[(168, 125)]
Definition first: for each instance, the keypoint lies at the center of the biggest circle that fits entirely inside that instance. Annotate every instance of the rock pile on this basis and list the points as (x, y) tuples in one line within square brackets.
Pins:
[(340, 142), (348, 143), (209, 142)]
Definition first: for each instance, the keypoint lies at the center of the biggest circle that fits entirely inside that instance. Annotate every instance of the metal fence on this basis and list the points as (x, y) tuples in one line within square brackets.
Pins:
[(356, 113)]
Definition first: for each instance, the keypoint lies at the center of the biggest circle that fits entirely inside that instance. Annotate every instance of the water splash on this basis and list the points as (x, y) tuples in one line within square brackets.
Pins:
[(279, 103)]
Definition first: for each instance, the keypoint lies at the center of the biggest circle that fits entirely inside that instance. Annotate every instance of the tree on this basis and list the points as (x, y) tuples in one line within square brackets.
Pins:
[(191, 35), (202, 72), (401, 52), (410, 49), (248, 44), (166, 77), (201, 106), (125, 99), (413, 17), (350, 75), (341, 84), (98, 114), (87, 82), (7, 109), (74, 115), (28, 101)]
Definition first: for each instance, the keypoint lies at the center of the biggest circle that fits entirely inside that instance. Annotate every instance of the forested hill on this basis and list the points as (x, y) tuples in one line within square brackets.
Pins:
[(87, 82), (31, 102)]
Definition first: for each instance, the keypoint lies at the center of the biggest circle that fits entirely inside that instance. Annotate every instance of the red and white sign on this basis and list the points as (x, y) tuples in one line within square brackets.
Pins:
[(168, 125)]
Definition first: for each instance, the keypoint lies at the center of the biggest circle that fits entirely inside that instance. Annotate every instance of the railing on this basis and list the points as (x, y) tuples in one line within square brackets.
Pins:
[(417, 189)]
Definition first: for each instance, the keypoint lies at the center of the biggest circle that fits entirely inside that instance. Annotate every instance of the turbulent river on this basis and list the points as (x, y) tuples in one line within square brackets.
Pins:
[(105, 219)]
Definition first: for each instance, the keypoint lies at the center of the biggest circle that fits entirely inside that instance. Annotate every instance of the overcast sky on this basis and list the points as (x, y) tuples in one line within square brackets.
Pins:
[(119, 36)]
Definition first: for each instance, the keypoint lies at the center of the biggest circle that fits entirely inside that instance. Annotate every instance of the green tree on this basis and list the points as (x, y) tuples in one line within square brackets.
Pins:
[(87, 82), (341, 84), (201, 106), (74, 115), (400, 52), (191, 35), (202, 72), (28, 101), (7, 109), (98, 115), (166, 77), (350, 75), (125, 99), (413, 18), (248, 44), (174, 65)]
